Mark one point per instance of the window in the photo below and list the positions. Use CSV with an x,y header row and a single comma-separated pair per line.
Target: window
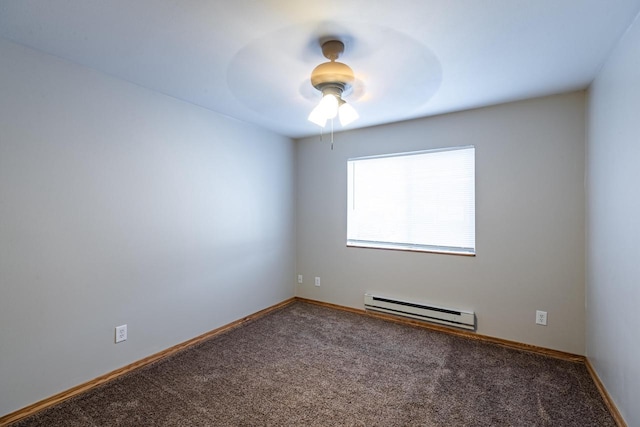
x,y
422,201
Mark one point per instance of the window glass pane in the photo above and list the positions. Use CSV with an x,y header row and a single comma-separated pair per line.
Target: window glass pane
x,y
418,201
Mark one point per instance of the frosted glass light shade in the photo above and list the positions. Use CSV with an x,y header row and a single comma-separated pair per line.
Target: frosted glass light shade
x,y
329,106
317,117
326,109
347,114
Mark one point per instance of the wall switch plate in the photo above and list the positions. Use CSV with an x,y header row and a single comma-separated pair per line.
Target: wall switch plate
x,y
121,333
300,278
541,317
317,283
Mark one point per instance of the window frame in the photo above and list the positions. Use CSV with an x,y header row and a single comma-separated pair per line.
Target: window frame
x,y
412,247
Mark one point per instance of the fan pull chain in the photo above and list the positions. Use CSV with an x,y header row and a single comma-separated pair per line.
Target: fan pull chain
x,y
331,134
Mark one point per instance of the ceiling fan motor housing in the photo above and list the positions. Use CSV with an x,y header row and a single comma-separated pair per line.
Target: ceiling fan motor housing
x,y
332,73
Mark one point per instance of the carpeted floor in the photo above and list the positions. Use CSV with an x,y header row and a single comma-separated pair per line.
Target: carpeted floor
x,y
307,365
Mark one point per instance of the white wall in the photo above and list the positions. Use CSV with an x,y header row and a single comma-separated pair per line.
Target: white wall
x,y
613,225
529,221
121,205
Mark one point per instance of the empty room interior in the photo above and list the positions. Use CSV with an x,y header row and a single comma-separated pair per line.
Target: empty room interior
x,y
164,174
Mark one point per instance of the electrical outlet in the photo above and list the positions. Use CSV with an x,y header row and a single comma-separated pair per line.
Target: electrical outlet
x,y
300,278
541,317
317,283
121,333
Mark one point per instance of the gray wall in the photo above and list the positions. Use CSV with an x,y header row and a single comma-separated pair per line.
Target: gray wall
x,y
121,205
613,226
529,221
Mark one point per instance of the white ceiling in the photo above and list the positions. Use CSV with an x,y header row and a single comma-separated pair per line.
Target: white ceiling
x,y
251,59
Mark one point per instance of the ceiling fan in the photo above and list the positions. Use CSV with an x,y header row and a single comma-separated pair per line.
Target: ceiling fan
x,y
333,79
358,65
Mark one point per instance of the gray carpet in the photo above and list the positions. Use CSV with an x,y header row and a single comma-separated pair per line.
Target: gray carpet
x,y
307,365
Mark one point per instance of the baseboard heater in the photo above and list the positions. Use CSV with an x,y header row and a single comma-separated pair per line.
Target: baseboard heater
x,y
429,313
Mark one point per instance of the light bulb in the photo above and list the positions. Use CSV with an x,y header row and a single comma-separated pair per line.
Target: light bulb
x,y
347,114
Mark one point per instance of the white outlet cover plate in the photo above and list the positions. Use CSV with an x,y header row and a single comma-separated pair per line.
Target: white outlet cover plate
x,y
121,333
541,317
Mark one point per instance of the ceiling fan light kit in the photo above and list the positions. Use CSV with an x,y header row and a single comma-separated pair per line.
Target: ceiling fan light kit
x,y
333,79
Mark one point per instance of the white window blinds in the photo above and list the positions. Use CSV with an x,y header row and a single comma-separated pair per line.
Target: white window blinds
x,y
422,201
